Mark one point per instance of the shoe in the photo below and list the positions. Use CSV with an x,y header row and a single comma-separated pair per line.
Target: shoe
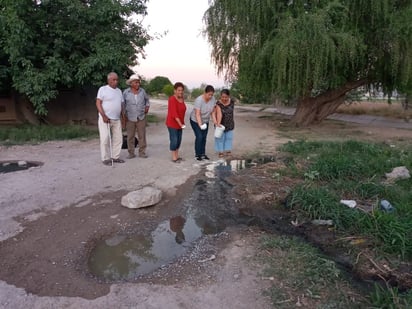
x,y
107,162
205,157
142,155
177,160
118,161
199,158
221,154
131,156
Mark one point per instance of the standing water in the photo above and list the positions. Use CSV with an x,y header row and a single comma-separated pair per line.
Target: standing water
x,y
208,211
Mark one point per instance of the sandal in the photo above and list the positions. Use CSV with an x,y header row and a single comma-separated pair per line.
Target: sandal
x,y
221,154
177,160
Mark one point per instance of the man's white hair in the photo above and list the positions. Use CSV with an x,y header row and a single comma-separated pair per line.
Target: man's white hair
x,y
111,74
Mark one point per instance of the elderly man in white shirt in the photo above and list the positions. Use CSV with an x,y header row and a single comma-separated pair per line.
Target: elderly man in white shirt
x,y
109,104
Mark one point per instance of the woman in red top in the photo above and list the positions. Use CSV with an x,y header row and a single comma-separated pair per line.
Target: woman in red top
x,y
175,120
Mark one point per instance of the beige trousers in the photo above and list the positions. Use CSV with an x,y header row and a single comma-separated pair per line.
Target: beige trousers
x,y
115,128
132,127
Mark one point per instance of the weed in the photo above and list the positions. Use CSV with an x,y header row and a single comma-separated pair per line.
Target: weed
x,y
35,134
311,175
390,298
151,118
338,170
305,274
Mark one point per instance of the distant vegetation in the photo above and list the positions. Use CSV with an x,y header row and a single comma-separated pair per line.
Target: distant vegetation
x,y
35,134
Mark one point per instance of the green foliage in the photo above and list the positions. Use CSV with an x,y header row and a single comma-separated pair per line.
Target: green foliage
x,y
305,272
47,45
152,118
168,90
156,84
295,49
197,92
35,134
355,170
390,298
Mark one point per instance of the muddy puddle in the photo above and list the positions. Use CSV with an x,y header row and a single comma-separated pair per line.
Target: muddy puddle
x,y
208,210
15,166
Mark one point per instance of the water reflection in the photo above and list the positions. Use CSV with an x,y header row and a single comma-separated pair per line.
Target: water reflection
x,y
225,167
125,257
176,225
208,211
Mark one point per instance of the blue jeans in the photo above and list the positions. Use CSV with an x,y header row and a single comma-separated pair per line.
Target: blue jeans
x,y
225,142
200,138
175,137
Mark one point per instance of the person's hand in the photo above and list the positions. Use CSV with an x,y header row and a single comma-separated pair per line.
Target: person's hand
x,y
203,126
106,119
183,126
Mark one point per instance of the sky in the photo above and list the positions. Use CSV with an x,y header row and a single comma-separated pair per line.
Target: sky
x,y
183,54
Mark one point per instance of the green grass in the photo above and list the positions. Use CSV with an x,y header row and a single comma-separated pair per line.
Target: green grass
x,y
390,298
151,118
41,133
34,134
305,273
355,170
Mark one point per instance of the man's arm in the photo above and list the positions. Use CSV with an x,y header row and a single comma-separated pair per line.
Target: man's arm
x,y
147,103
101,111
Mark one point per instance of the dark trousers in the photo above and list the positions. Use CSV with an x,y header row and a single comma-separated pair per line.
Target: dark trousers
x,y
200,138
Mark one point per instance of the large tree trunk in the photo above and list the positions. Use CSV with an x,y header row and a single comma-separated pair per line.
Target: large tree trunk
x,y
312,110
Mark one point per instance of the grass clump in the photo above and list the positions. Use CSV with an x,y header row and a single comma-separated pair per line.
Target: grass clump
x,y
308,278
390,298
355,170
41,133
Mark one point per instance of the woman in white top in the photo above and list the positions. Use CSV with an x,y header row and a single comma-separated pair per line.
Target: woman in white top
x,y
199,120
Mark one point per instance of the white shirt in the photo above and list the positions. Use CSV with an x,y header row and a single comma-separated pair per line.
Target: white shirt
x,y
112,100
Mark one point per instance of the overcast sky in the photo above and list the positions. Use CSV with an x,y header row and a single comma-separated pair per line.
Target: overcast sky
x,y
182,54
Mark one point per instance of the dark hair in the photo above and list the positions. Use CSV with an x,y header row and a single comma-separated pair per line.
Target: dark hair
x,y
209,88
177,85
225,91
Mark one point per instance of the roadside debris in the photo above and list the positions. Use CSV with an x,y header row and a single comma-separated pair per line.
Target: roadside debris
x,y
349,203
322,222
386,206
400,172
211,258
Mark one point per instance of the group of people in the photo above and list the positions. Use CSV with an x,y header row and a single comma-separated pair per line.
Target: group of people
x,y
128,110
118,110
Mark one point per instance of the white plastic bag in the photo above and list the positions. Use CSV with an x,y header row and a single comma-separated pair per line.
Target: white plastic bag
x,y
219,131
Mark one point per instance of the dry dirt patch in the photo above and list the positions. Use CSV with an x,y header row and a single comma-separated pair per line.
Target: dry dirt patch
x,y
51,216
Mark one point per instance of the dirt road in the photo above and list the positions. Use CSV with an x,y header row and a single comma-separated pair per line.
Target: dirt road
x,y
50,215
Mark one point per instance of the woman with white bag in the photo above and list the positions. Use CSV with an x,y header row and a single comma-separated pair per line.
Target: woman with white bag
x,y
224,124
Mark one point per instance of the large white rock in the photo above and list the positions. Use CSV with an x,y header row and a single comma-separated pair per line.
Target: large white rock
x,y
145,197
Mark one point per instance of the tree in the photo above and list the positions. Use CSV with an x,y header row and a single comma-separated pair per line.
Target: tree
x,y
311,52
168,90
198,91
156,84
48,45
